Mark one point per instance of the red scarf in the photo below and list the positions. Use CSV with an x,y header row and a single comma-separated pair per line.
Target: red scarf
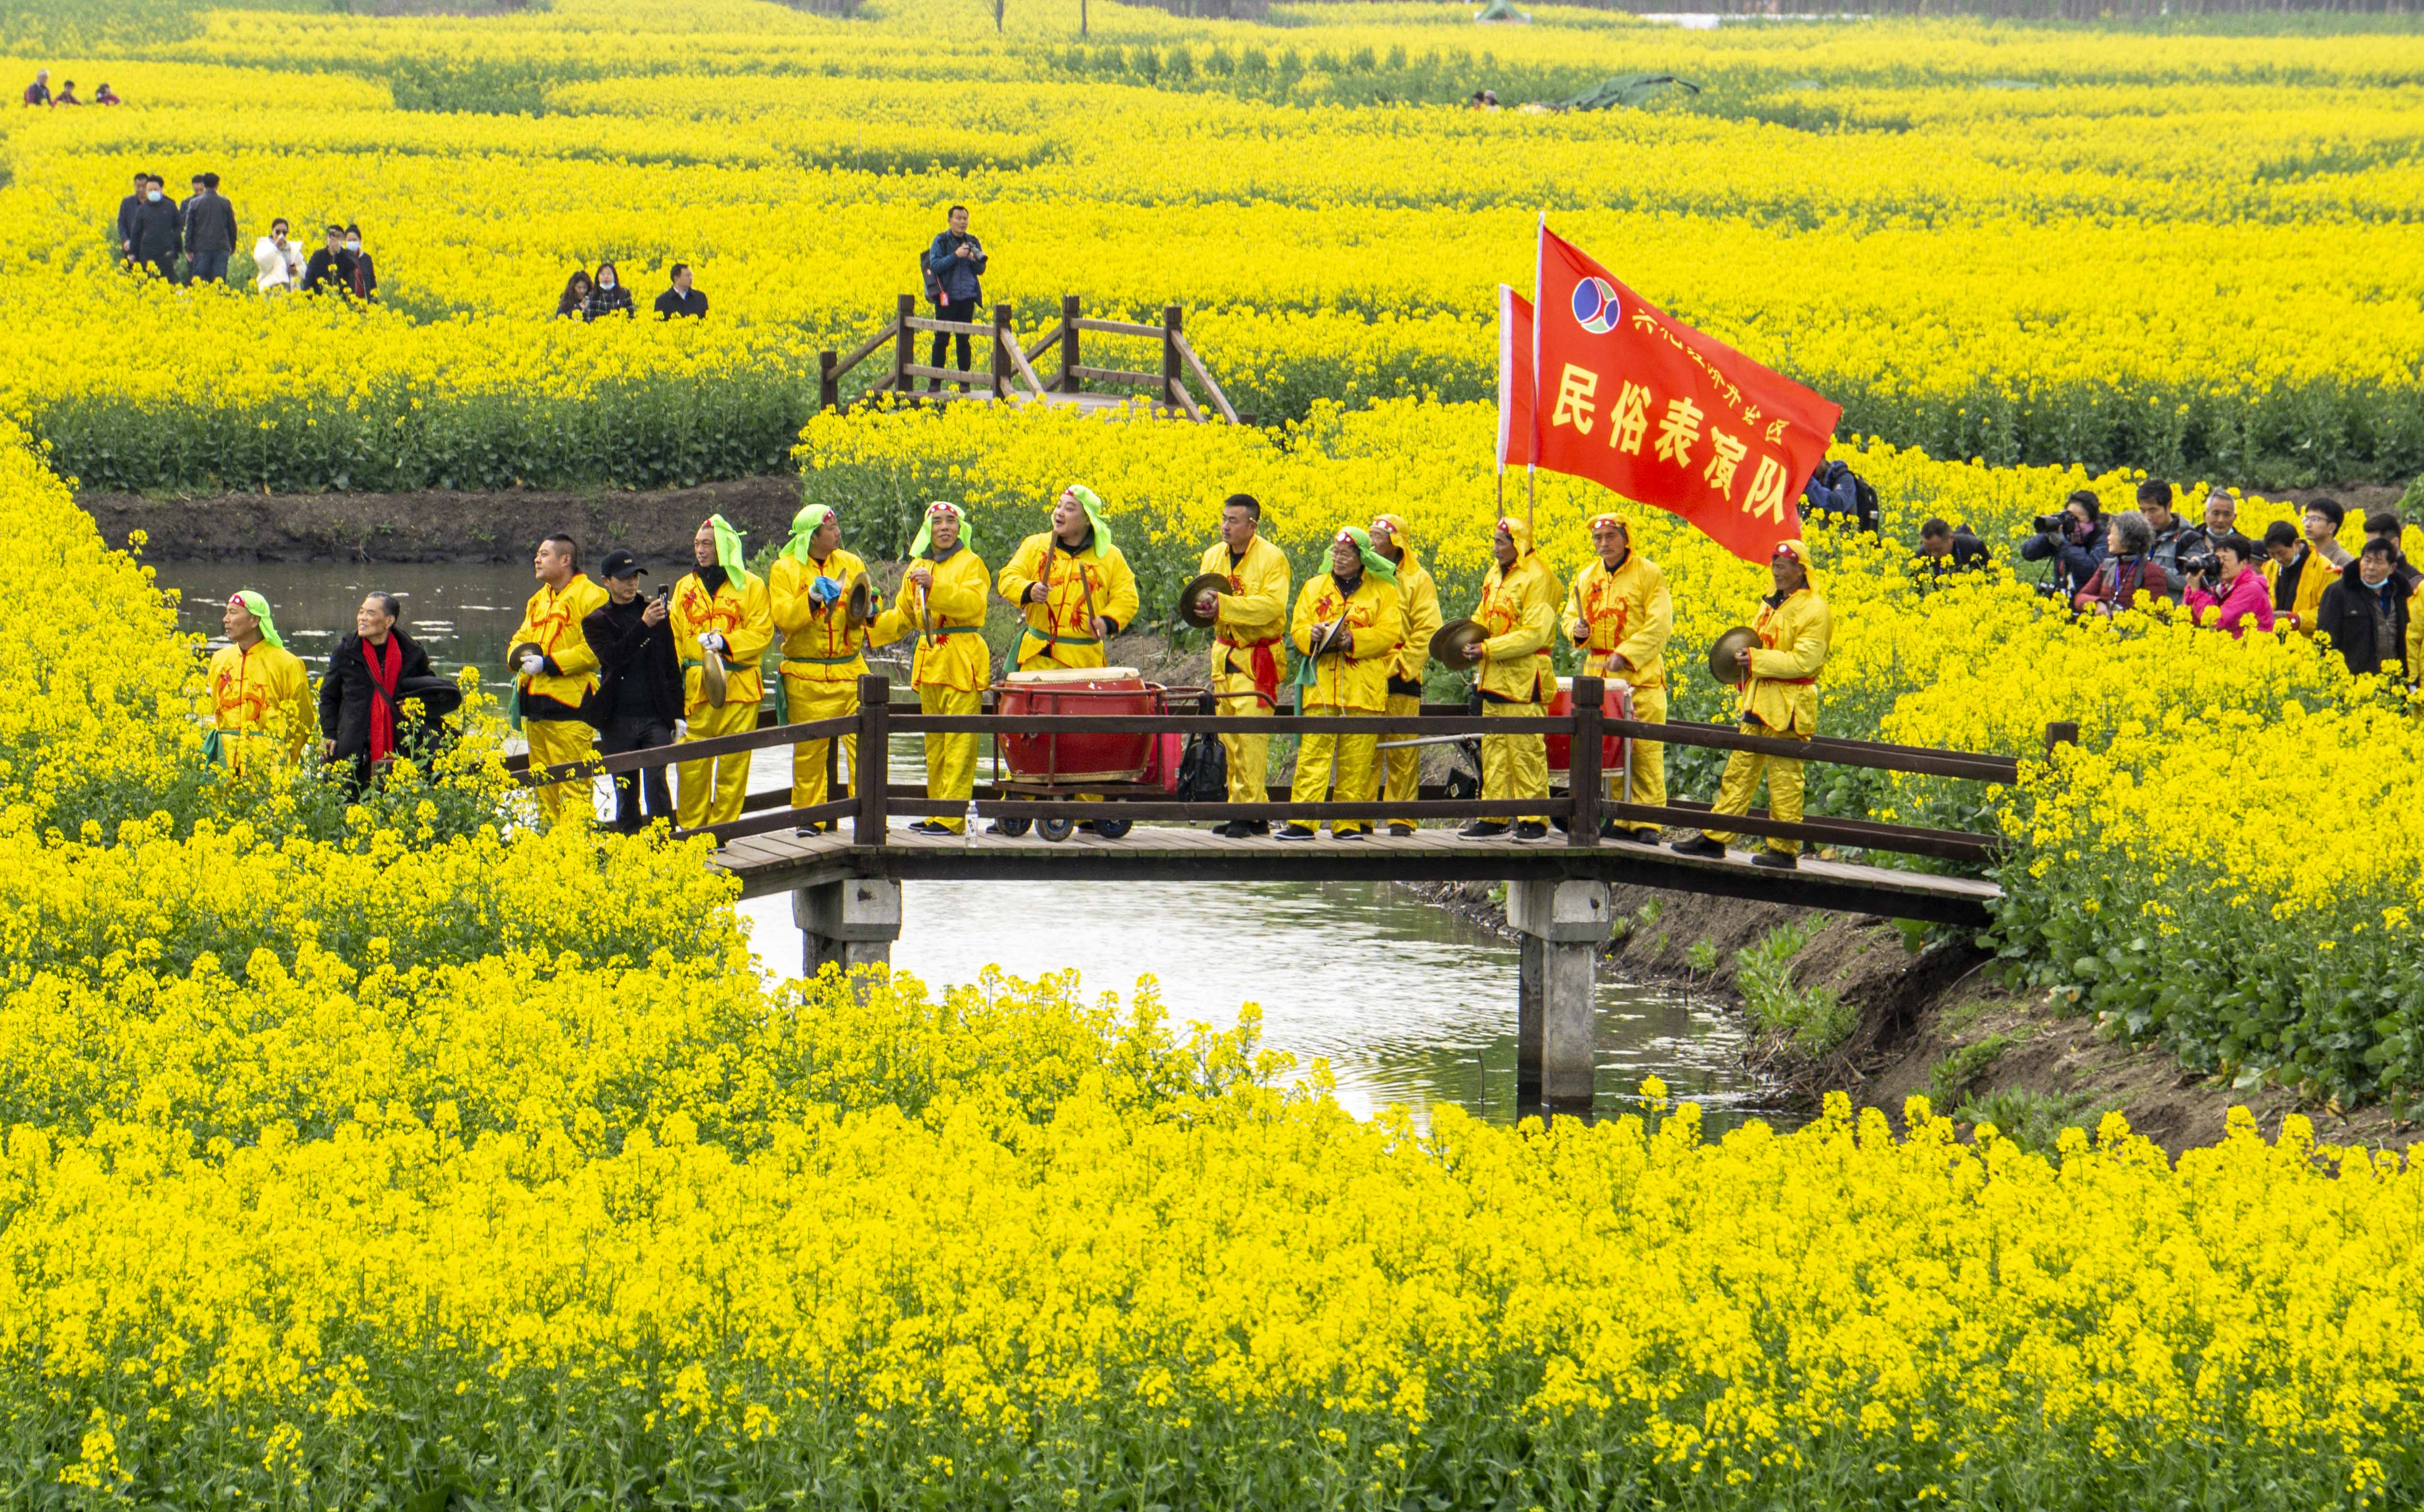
x,y
383,709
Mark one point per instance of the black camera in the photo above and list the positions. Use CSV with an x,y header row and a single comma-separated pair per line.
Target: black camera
x,y
2054,524
2203,564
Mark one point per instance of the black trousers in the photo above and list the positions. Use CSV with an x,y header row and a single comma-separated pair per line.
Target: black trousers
x,y
638,732
951,309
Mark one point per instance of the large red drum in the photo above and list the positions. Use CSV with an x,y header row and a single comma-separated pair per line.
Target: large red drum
x,y
1615,702
1067,758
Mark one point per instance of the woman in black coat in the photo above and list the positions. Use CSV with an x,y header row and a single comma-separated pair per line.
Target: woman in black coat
x,y
361,717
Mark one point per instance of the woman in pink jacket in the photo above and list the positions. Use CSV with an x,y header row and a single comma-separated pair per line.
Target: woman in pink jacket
x,y
2244,598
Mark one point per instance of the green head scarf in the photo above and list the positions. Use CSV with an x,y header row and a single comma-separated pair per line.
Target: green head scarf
x,y
1093,505
1374,563
803,524
728,554
258,608
926,531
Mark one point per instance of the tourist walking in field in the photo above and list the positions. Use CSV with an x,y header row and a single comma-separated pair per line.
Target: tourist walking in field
x,y
39,93
331,268
127,209
154,236
1511,669
1249,622
638,704
955,267
365,279
260,696
607,296
680,298
362,718
942,602
1072,586
67,95
211,236
555,672
1779,701
722,623
2238,597
1348,629
1620,615
101,95
574,301
809,591
1418,596
279,260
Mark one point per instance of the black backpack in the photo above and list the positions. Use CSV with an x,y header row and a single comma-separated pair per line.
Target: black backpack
x,y
1204,771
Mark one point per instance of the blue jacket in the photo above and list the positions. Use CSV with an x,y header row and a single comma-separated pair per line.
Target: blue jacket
x,y
955,277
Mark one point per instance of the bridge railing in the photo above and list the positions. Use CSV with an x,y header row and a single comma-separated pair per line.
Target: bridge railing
x,y
1010,371
876,800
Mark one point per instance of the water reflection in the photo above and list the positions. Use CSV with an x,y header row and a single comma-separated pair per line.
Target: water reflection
x,y
1409,1003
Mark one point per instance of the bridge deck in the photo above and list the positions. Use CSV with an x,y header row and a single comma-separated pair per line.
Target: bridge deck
x,y
768,864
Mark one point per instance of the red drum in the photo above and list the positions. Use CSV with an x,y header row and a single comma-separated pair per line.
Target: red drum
x,y
1615,703
1087,690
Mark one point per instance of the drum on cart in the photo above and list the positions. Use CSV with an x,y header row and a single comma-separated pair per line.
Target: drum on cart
x,y
1615,703
1070,766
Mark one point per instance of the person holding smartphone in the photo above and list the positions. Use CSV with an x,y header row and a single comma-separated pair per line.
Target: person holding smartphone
x,y
638,701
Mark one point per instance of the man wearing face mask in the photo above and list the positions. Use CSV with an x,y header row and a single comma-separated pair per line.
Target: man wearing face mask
x,y
157,235
331,268
2373,620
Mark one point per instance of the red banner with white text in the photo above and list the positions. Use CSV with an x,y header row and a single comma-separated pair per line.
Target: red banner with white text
x,y
1628,396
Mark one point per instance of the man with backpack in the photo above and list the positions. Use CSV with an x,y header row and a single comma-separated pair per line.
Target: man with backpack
x,y
954,268
1835,493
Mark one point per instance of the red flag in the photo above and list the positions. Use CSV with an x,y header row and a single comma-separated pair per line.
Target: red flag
x,y
1517,438
1628,396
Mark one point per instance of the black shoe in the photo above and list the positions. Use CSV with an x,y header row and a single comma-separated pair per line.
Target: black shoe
x,y
1227,829
1482,829
1698,845
930,826
1252,826
1530,829
1399,828
1350,835
1646,834
1780,860
1296,832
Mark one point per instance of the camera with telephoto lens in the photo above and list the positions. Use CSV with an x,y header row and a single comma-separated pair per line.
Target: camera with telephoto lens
x,y
2201,563
2053,524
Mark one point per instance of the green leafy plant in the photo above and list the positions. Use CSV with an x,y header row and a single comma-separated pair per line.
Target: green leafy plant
x,y
1816,1018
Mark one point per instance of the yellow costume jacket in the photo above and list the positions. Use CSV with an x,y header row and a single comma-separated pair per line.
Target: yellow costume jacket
x,y
1418,595
551,621
263,692
1056,631
2316,576
1253,614
954,656
738,612
1357,676
1627,613
1782,690
819,645
1519,609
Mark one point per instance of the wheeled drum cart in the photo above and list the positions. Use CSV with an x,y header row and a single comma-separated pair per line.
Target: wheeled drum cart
x,y
1075,767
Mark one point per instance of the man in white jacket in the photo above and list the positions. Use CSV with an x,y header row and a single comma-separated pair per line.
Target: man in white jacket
x,y
279,259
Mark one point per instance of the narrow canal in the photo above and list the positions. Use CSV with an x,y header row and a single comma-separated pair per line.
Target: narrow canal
x,y
1407,1001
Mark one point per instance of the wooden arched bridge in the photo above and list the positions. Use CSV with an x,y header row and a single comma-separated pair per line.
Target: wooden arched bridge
x,y
846,880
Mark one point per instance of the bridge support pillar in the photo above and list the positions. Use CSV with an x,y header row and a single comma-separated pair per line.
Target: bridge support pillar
x,y
851,923
1559,928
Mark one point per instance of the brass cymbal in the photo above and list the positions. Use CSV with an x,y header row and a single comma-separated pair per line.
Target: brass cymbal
x,y
711,676
521,649
1723,651
861,607
1449,641
1209,582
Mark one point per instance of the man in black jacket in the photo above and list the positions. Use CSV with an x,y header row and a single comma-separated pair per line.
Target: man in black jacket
x,y
639,687
210,232
362,713
127,209
157,235
332,267
2369,614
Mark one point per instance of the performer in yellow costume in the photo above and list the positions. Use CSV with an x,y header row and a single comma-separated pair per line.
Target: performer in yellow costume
x,y
259,696
942,602
1779,699
1348,627
1072,584
1620,615
556,674
1250,624
809,591
719,606
1418,595
1519,609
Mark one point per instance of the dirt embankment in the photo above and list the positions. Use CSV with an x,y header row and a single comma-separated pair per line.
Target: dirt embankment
x,y
1935,1022
437,526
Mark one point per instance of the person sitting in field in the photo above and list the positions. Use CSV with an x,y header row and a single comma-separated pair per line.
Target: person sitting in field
x,y
101,96
607,296
2130,577
575,298
2238,597
2375,624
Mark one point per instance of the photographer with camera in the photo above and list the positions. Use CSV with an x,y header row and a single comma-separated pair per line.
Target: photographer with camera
x,y
2130,577
2073,541
2225,590
639,695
